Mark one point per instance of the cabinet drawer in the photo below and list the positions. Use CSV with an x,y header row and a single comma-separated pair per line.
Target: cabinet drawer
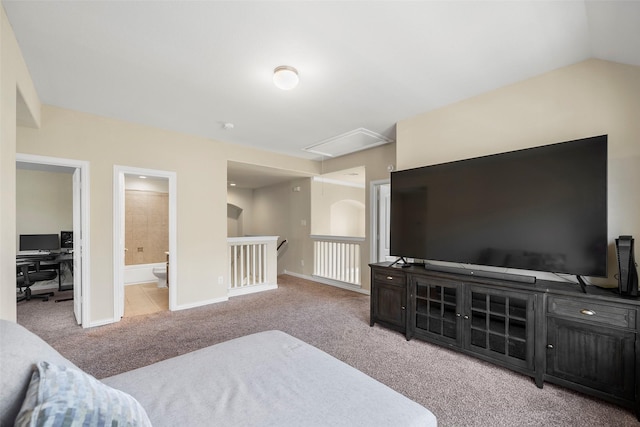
x,y
592,312
389,277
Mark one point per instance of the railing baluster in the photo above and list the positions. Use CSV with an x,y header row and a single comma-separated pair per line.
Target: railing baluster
x,y
350,263
235,266
240,265
252,263
262,265
230,265
267,268
337,258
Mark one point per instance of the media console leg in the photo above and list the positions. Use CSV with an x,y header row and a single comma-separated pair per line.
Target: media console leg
x,y
539,382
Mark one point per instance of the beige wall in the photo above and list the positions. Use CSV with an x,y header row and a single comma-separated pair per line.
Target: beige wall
x,y
280,211
200,165
376,162
250,156
159,185
241,200
201,187
586,99
44,202
16,88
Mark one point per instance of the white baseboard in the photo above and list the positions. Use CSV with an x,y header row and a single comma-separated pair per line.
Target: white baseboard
x,y
200,304
102,322
252,289
329,282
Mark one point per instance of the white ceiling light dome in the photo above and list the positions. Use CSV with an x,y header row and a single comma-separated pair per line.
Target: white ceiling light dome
x,y
285,77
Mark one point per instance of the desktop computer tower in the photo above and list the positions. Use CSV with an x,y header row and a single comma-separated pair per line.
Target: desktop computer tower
x,y
66,239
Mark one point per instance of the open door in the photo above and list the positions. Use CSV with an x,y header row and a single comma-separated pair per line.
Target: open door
x,y
380,211
81,233
77,247
384,210
119,173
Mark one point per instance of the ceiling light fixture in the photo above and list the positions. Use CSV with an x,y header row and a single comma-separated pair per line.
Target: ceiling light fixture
x,y
285,77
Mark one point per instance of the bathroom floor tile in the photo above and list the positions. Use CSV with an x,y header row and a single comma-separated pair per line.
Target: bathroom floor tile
x,y
145,298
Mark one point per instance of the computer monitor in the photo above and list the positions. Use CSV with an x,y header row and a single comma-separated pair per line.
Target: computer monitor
x,y
39,242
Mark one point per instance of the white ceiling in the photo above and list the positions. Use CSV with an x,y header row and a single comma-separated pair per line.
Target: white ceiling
x,y
193,66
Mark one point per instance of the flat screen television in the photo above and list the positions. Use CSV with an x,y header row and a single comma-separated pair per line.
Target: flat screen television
x,y
541,209
41,242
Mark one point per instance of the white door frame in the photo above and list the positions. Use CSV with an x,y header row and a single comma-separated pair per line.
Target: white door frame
x,y
375,230
84,250
77,243
119,230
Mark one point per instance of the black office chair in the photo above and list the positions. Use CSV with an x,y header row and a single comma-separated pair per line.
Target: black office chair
x,y
25,279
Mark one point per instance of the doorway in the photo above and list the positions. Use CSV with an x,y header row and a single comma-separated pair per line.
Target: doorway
x,y
80,189
122,253
146,241
380,218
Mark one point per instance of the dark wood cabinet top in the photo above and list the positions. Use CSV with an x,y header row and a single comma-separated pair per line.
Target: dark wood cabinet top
x,y
541,286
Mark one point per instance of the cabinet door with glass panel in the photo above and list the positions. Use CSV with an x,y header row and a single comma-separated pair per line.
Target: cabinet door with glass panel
x,y
435,311
500,324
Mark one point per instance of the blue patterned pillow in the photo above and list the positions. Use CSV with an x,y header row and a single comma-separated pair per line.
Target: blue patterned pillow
x,y
61,396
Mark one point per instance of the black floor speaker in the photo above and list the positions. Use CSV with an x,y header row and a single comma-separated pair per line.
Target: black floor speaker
x,y
628,274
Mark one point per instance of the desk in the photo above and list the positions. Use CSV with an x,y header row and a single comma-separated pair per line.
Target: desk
x,y
51,261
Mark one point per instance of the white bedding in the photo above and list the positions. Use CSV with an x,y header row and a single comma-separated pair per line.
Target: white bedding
x,y
265,379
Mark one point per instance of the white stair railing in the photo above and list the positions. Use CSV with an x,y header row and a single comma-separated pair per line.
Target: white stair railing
x,y
253,264
337,258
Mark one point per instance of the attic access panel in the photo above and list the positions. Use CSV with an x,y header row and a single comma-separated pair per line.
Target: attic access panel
x,y
349,142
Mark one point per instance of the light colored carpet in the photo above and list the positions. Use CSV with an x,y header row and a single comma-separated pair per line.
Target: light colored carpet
x,y
459,390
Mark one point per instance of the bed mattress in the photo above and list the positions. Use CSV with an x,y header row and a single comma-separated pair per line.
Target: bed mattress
x,y
266,379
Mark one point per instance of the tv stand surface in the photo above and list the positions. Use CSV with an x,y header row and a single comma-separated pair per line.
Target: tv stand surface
x,y
481,273
548,330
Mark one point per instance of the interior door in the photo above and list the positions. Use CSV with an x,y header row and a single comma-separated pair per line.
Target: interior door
x,y
384,209
77,247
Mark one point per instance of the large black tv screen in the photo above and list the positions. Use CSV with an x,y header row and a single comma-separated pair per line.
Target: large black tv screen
x,y
542,209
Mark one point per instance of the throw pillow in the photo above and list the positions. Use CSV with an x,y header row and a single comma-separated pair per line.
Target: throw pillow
x,y
62,396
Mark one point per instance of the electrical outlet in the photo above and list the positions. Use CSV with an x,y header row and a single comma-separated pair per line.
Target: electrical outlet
x,y
303,222
302,262
220,280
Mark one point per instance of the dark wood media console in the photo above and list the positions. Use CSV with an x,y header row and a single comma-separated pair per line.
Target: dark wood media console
x,y
550,331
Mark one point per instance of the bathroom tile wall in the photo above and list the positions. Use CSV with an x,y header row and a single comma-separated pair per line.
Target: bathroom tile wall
x,y
146,227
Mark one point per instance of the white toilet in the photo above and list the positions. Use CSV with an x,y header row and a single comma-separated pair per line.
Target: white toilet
x,y
161,274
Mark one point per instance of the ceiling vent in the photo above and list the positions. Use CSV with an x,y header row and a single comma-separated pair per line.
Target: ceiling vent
x,y
346,143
